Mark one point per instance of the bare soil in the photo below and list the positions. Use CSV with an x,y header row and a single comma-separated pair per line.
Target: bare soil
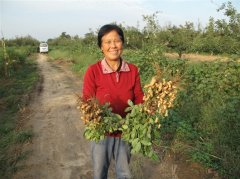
x,y
197,57
58,148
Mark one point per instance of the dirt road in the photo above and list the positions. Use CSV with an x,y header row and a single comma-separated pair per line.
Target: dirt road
x,y
58,149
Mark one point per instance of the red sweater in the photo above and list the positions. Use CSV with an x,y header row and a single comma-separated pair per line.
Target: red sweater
x,y
114,87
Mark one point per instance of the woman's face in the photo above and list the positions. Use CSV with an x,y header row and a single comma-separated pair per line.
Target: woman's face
x,y
112,46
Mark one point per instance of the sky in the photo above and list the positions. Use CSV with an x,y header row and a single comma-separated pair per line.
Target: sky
x,y
45,19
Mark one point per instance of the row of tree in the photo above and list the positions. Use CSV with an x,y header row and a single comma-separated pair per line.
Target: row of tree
x,y
220,36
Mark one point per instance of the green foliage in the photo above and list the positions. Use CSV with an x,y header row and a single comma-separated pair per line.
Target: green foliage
x,y
90,39
181,38
12,92
134,38
22,41
139,129
63,40
205,121
79,54
8,157
234,20
13,60
64,35
209,114
110,122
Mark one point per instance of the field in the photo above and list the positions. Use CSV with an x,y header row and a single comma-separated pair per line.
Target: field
x,y
15,93
206,107
203,126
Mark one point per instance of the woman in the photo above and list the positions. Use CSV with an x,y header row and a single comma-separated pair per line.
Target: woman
x,y
115,81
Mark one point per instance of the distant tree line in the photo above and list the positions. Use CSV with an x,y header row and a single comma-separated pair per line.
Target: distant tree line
x,y
221,36
22,41
218,37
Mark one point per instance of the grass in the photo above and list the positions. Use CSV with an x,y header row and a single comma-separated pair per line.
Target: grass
x,y
13,91
80,61
59,54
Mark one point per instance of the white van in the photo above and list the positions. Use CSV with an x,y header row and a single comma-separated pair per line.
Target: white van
x,y
43,47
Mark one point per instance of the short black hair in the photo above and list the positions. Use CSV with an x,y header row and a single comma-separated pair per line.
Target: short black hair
x,y
108,28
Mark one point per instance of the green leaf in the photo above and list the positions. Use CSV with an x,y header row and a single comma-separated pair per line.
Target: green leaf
x,y
135,141
133,134
128,109
124,126
154,156
133,113
118,116
130,103
145,142
138,147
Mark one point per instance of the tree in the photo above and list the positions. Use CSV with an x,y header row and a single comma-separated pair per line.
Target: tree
x,y
133,37
234,19
89,38
230,31
64,35
181,38
151,28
